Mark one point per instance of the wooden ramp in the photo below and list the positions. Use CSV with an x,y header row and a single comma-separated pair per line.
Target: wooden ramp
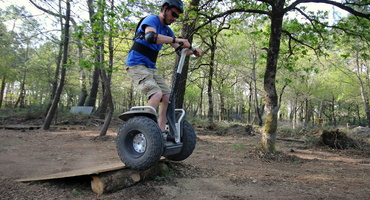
x,y
34,127
106,178
94,170
20,127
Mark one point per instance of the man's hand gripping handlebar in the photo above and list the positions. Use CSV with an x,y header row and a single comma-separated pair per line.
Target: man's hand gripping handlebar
x,y
194,51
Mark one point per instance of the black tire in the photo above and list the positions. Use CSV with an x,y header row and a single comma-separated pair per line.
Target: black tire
x,y
140,143
188,139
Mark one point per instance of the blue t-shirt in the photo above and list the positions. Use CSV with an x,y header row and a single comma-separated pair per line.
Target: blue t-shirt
x,y
136,58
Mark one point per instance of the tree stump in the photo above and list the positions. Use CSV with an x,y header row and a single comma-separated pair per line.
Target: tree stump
x,y
249,130
108,182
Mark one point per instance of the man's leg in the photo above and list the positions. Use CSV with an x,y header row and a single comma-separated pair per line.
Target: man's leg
x,y
162,112
154,100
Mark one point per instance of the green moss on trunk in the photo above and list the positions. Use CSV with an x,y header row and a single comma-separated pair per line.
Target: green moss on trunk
x,y
269,134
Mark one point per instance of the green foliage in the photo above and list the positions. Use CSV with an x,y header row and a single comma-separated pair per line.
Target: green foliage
x,y
316,64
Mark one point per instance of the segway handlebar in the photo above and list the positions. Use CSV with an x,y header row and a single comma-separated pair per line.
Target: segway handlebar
x,y
190,48
183,55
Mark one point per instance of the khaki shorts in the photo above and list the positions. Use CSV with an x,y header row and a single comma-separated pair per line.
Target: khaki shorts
x,y
147,80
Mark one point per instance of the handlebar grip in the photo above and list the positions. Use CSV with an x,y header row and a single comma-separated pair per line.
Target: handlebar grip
x,y
194,50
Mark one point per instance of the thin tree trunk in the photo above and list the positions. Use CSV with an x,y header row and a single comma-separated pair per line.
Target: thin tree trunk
x,y
271,98
54,83
257,112
187,32
107,77
20,99
307,113
95,79
250,99
223,114
332,108
54,105
22,93
199,105
83,83
100,112
365,99
294,112
209,90
2,89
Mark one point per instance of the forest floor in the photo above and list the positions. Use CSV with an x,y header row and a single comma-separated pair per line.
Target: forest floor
x,y
226,164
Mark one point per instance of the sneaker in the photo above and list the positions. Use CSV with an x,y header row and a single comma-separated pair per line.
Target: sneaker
x,y
168,137
165,134
171,138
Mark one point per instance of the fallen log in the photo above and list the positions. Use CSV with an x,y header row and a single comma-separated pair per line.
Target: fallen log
x,y
108,182
291,140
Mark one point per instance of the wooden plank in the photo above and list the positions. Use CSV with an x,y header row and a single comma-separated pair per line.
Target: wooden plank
x,y
20,127
292,140
70,127
34,127
97,169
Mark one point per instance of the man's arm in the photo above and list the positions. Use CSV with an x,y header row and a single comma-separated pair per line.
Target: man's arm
x,y
151,36
163,39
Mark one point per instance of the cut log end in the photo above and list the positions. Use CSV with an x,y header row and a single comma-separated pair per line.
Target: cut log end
x,y
97,185
135,177
112,181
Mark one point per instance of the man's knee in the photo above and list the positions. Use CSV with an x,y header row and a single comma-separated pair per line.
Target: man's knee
x,y
156,96
165,97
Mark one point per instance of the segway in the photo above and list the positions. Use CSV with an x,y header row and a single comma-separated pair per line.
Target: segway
x,y
140,141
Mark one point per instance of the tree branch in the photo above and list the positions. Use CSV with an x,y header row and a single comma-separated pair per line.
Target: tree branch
x,y
52,13
311,21
298,41
227,13
347,31
334,3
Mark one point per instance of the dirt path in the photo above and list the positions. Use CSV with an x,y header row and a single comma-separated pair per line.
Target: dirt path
x,y
221,167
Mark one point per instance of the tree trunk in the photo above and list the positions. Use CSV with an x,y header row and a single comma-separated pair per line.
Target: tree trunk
x,y
187,32
307,113
199,104
54,105
54,83
84,93
20,99
91,100
257,113
101,111
294,112
271,98
250,99
95,81
107,77
365,99
2,89
209,90
222,108
83,84
332,108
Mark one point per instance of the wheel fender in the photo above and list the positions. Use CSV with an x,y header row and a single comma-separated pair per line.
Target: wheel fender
x,y
129,114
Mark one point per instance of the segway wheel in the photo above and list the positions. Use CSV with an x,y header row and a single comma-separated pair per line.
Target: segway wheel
x,y
140,143
188,140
